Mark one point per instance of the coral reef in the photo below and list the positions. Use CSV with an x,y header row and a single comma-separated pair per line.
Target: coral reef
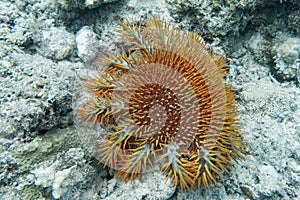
x,y
37,93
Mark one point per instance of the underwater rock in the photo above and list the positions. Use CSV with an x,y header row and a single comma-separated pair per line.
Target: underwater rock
x,y
18,161
85,4
213,18
268,174
153,187
87,43
66,172
56,43
33,101
287,62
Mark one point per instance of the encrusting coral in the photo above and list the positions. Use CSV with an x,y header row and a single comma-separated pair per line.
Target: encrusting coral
x,y
168,105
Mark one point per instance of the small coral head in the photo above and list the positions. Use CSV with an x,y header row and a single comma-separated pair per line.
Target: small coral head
x,y
167,103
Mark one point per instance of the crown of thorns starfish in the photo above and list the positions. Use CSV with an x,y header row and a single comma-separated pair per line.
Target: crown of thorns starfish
x,y
167,102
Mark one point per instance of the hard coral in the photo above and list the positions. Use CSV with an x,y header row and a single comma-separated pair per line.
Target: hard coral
x,y
168,104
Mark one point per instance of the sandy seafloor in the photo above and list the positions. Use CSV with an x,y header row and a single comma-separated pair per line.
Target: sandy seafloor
x,y
46,47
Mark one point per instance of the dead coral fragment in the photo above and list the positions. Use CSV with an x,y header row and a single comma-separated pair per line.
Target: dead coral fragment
x,y
168,104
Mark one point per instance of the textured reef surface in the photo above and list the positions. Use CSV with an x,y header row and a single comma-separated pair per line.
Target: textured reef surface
x,y
47,52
